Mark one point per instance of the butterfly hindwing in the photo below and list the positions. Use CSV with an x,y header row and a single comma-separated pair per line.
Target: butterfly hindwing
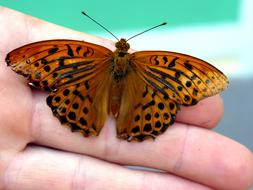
x,y
148,115
82,108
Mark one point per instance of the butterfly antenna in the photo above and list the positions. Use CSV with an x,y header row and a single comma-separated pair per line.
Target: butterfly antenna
x,y
147,30
100,25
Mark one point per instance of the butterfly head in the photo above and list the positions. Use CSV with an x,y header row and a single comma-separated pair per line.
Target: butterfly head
x,y
122,45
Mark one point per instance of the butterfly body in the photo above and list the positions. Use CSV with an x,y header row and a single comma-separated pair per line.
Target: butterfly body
x,y
87,82
120,67
121,60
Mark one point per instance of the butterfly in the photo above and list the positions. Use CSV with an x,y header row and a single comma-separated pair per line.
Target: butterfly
x,y
87,82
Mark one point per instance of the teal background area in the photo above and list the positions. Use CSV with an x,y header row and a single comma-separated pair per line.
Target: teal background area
x,y
128,15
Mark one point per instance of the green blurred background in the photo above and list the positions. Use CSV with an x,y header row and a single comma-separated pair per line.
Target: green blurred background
x,y
219,31
128,15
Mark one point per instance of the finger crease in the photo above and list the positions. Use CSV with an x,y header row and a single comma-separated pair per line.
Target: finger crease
x,y
111,148
179,162
145,182
79,177
35,124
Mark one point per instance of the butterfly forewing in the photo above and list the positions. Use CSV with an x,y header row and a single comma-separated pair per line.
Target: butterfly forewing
x,y
55,61
182,78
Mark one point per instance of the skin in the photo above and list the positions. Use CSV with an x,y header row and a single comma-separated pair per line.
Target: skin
x,y
36,152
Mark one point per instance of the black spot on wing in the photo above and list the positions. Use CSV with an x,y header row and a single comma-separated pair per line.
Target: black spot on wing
x,y
87,85
78,49
88,52
145,92
53,50
173,62
70,51
47,68
156,60
165,59
188,65
151,103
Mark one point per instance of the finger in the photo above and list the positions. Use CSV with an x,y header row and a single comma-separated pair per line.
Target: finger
x,y
41,168
207,113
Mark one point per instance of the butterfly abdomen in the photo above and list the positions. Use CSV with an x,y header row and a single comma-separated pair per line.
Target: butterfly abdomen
x,y
115,97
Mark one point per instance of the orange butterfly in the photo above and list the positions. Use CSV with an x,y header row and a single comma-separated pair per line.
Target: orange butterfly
x,y
88,82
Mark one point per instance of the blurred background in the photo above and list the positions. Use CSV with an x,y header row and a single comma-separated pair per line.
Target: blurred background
x,y
219,31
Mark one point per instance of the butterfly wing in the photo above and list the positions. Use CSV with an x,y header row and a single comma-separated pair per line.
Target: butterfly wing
x,y
74,72
162,81
144,112
184,78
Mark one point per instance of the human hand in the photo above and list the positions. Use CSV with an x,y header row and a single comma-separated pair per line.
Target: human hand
x,y
36,152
